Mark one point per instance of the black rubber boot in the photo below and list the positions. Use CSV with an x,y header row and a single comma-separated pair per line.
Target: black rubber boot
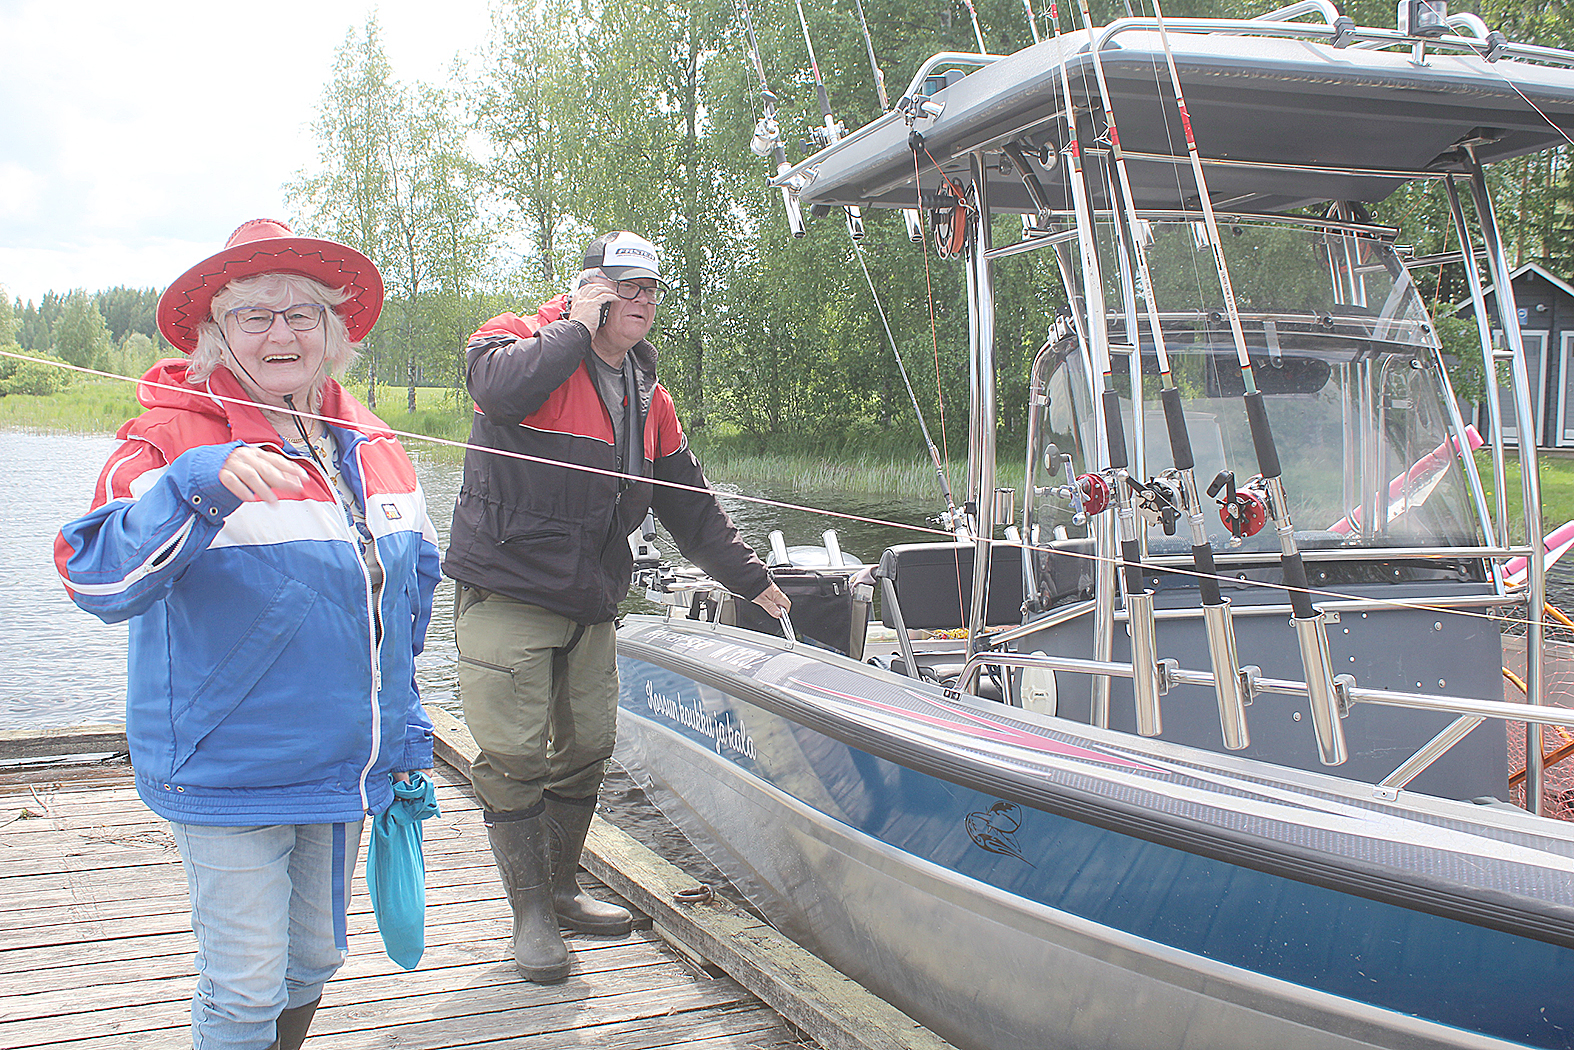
x,y
520,848
568,820
293,1023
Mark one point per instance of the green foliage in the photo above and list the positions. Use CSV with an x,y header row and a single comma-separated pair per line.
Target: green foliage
x,y
136,353
1462,354
396,182
35,377
80,337
9,322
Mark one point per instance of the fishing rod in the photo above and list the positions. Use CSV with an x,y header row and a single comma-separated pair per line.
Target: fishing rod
x,y
1264,494
910,216
767,140
978,34
831,130
874,65
952,514
1095,492
1165,498
1032,19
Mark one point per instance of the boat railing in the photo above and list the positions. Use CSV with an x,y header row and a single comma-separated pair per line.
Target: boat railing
x,y
1468,712
794,177
698,599
1342,32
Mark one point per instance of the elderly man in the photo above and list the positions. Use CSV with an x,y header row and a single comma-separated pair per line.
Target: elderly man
x,y
540,553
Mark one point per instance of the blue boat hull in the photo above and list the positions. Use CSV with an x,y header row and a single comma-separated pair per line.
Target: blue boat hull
x,y
947,888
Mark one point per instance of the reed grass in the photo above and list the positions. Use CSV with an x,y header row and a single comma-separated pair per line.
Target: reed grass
x,y
88,405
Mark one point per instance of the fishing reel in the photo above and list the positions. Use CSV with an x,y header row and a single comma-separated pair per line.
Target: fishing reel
x,y
1088,494
816,139
767,138
1243,510
1161,501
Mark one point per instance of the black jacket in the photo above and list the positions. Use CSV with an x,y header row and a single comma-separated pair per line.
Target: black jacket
x,y
554,536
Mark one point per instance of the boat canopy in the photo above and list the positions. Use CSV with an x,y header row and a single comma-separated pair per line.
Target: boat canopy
x,y
1281,123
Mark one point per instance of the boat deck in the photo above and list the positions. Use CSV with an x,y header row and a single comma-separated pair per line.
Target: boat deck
x,y
97,951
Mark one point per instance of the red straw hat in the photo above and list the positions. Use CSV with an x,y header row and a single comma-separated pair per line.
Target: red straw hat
x,y
267,246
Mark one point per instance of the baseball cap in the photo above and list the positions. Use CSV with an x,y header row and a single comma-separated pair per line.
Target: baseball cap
x,y
622,255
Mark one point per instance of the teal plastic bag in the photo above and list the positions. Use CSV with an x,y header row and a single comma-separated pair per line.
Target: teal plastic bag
x,y
396,870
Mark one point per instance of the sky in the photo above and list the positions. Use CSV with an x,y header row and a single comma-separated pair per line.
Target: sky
x,y
135,137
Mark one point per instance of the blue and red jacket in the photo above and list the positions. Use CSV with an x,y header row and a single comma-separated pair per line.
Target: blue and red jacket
x,y
532,527
263,686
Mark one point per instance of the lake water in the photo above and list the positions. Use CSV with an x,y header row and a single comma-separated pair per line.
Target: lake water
x,y
61,666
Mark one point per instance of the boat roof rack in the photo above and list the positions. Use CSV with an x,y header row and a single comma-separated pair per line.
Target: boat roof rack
x,y
1287,113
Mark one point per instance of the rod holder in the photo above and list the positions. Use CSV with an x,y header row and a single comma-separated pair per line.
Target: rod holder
x,y
1312,634
833,549
1220,625
1144,663
778,548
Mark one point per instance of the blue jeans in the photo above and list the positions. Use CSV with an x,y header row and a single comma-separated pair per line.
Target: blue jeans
x,y
268,909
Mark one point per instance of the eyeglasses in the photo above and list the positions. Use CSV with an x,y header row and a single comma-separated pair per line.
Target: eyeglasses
x,y
302,317
629,290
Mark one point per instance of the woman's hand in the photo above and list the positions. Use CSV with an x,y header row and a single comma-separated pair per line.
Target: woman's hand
x,y
258,474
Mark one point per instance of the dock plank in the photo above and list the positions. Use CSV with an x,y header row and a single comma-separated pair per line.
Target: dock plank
x,y
96,949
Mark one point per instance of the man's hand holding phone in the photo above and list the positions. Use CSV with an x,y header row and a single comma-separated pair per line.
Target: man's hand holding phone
x,y
591,301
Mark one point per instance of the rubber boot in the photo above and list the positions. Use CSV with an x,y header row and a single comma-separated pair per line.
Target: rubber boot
x,y
520,849
293,1023
568,820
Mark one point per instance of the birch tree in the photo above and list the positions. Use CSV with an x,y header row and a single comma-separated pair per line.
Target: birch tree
x,y
395,182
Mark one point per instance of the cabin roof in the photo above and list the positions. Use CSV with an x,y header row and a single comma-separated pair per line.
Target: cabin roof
x,y
1466,307
1356,123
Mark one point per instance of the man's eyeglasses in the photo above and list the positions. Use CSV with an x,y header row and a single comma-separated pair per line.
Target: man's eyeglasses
x,y
630,290
302,317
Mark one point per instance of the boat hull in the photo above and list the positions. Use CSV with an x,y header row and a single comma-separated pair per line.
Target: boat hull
x,y
1000,925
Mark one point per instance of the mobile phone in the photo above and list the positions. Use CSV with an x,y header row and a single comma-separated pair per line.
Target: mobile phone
x,y
603,319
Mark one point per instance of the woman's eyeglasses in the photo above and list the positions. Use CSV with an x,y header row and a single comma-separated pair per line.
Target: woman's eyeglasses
x,y
302,317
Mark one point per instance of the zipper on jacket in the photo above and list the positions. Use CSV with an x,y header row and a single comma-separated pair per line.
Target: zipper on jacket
x,y
373,619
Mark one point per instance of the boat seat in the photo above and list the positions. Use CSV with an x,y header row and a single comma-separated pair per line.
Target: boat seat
x,y
929,586
828,609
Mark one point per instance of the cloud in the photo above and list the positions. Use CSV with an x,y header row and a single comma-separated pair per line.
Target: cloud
x,y
136,137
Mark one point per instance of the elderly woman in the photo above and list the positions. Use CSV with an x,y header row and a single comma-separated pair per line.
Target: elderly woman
x,y
268,541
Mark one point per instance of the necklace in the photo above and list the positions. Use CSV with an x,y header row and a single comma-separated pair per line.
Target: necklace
x,y
290,427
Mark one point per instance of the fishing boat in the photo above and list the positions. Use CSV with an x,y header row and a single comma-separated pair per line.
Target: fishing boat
x,y
1220,761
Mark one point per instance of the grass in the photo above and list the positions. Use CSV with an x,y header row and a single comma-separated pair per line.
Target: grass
x,y
87,405
872,475
439,412
1557,488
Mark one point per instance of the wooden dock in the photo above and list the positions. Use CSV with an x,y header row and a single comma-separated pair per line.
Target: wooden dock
x,y
96,949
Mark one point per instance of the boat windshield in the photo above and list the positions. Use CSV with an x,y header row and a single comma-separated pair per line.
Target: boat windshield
x,y
1345,356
